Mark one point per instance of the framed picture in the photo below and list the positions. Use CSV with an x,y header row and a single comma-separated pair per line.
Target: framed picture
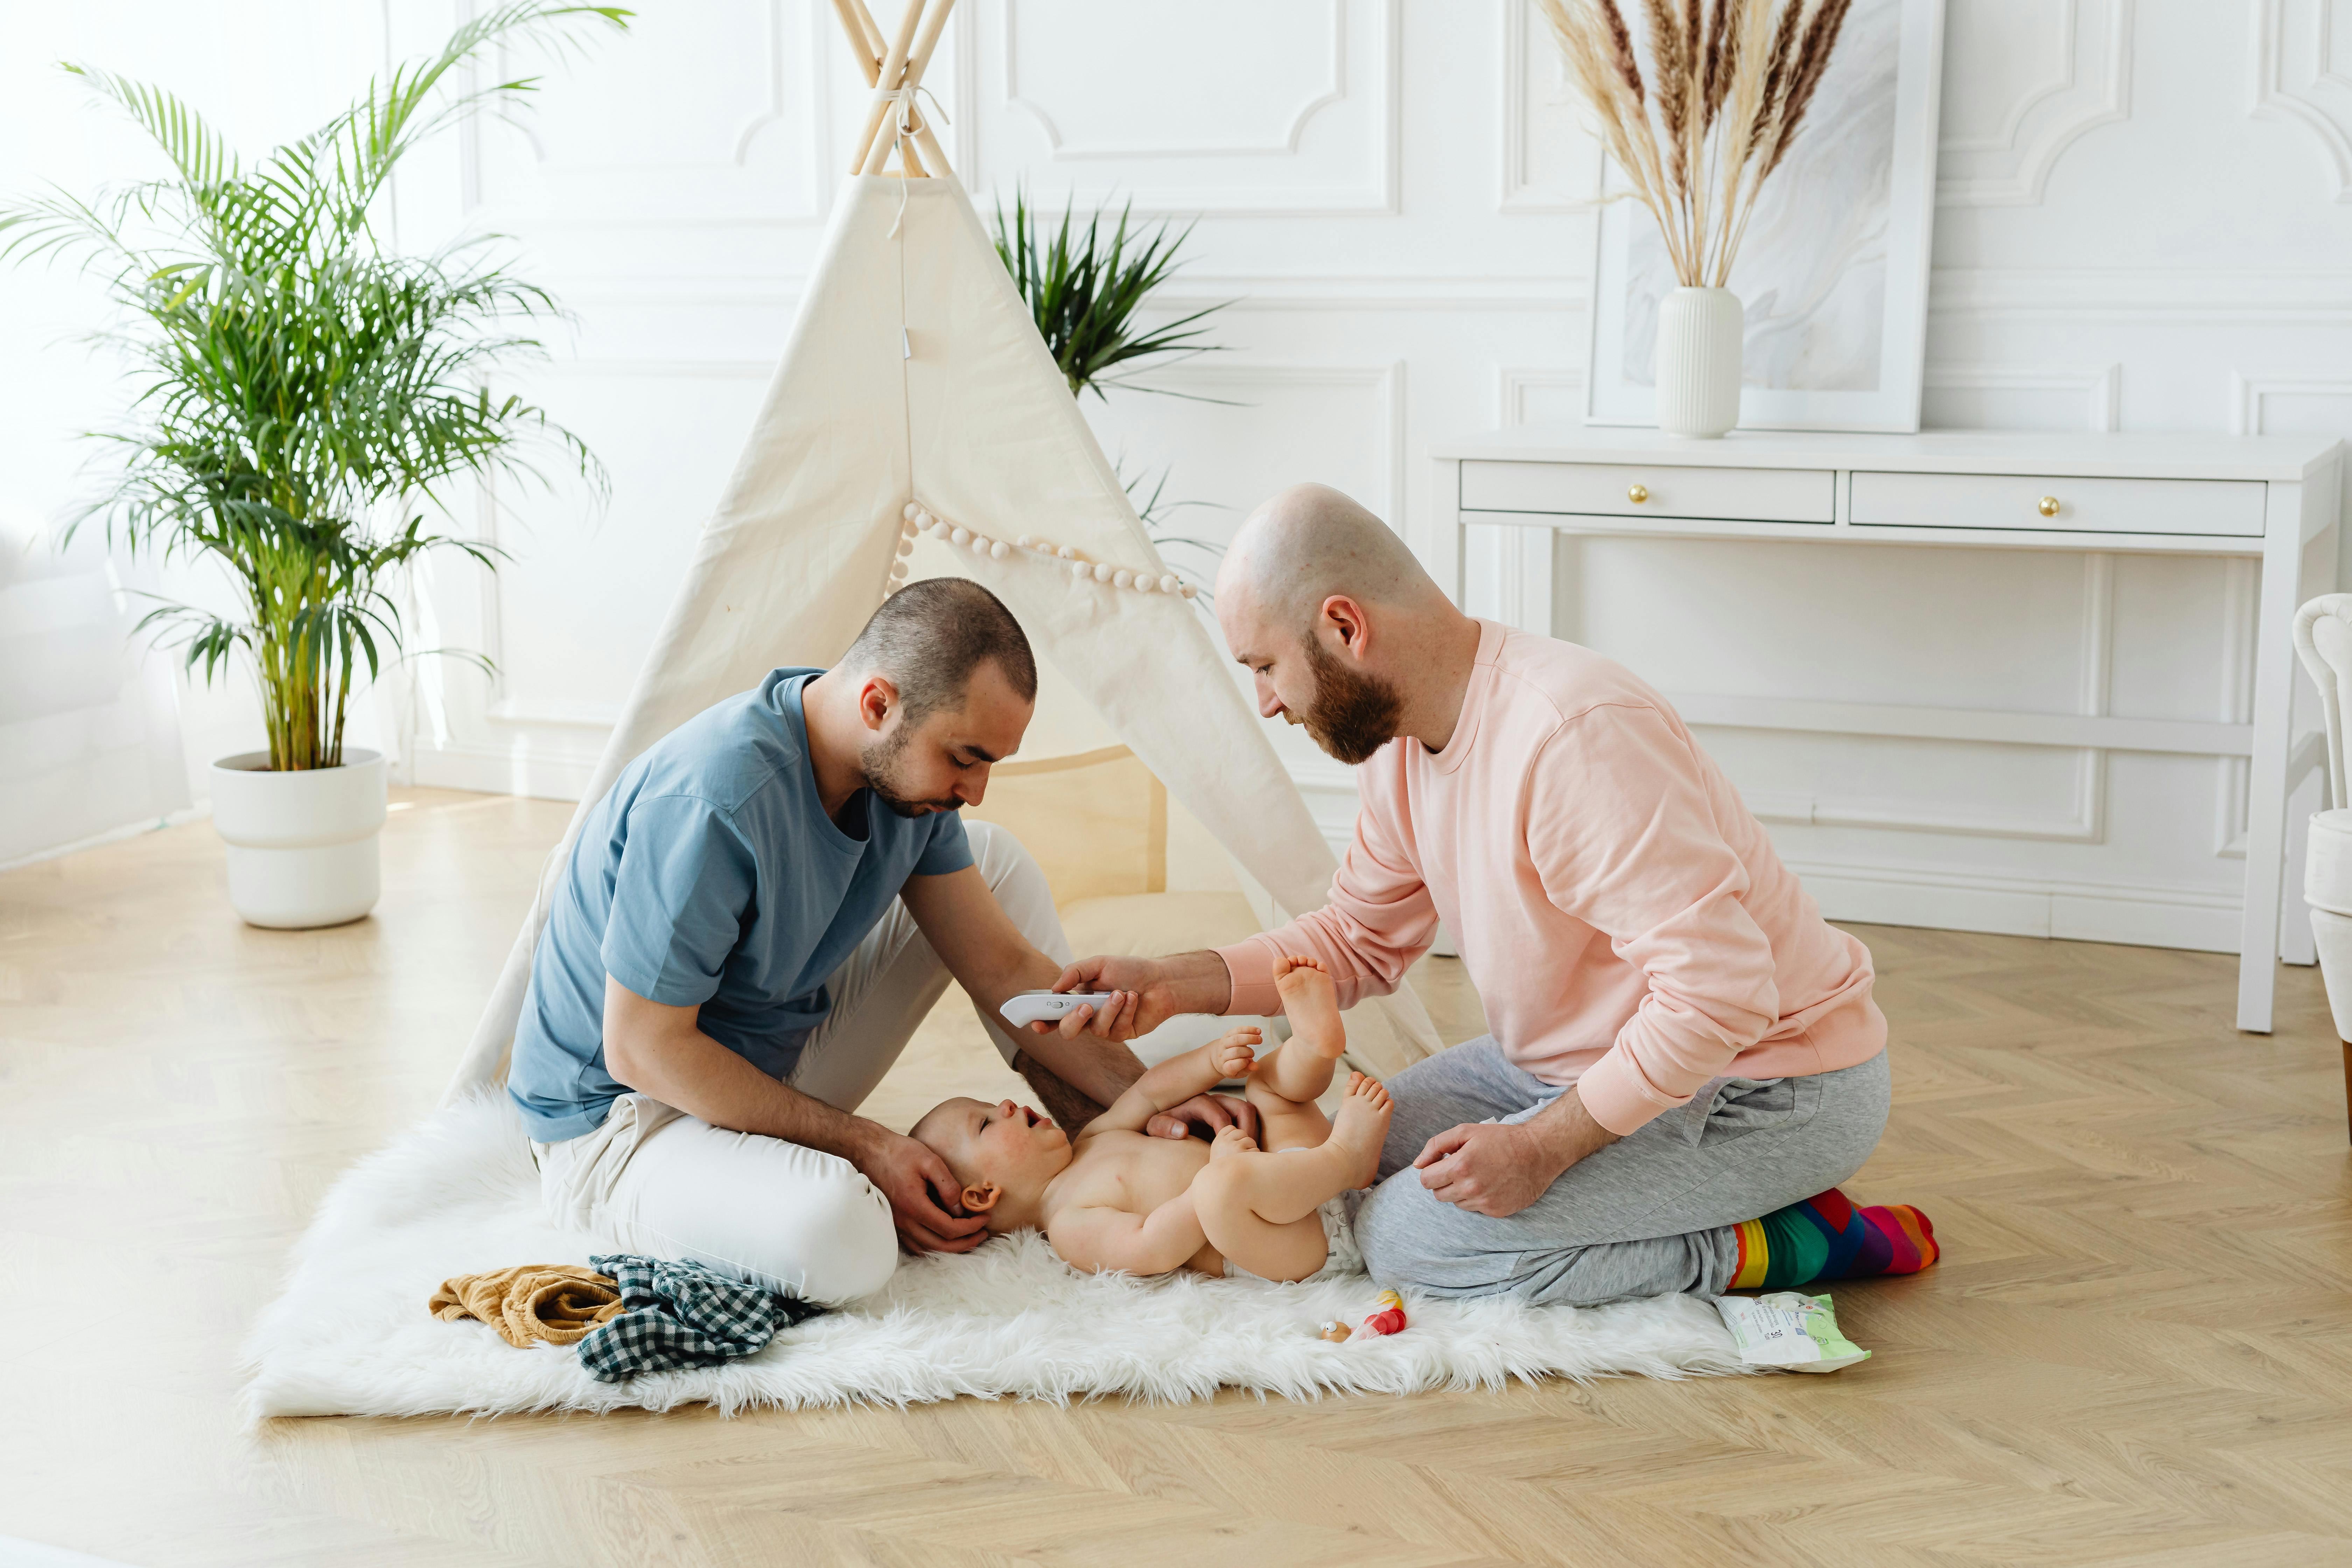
x,y
1833,273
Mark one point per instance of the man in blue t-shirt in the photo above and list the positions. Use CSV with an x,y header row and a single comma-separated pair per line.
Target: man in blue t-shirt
x,y
753,921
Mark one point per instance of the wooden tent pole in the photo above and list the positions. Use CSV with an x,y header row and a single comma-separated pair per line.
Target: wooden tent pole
x,y
914,65
863,33
886,77
865,44
932,154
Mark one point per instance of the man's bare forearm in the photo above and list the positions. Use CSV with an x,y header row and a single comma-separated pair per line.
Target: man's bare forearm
x,y
1197,983
1567,1130
1071,1109
702,1078
1098,1068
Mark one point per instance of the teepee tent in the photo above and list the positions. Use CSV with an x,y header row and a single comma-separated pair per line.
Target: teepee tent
x,y
916,398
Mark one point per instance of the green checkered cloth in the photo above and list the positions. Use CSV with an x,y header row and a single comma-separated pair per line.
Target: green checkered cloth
x,y
677,1315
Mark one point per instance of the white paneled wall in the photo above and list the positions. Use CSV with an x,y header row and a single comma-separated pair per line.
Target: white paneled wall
x,y
2145,222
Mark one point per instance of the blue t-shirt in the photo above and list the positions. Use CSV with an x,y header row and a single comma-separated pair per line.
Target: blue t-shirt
x,y
710,876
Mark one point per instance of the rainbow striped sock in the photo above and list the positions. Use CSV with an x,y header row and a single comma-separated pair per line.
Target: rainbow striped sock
x,y
1826,1237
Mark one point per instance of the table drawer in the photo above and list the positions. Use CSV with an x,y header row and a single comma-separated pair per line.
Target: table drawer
x,y
2059,505
1753,495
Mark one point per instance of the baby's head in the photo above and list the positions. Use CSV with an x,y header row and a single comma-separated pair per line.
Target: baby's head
x,y
1004,1155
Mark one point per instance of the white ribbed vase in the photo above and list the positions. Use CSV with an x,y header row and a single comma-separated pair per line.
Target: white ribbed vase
x,y
1700,335
301,846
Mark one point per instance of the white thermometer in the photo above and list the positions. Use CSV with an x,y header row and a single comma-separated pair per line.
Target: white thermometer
x,y
1029,1007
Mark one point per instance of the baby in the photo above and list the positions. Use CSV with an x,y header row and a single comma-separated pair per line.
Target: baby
x,y
1115,1198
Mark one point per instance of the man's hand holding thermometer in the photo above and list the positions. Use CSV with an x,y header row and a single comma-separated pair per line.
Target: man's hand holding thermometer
x,y
1113,1015
1042,1011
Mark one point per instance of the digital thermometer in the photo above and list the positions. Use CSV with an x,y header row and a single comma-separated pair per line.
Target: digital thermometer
x,y
1030,1008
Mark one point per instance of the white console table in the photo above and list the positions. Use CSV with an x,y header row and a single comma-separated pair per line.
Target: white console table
x,y
2268,498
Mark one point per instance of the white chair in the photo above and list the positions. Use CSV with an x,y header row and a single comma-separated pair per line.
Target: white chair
x,y
2323,637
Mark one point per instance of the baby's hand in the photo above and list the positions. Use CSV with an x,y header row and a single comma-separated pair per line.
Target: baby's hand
x,y
1235,1055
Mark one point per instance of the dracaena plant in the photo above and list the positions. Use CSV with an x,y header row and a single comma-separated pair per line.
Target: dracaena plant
x,y
1087,288
302,394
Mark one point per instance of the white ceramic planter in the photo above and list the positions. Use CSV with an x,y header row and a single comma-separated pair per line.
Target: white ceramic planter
x,y
1699,338
301,846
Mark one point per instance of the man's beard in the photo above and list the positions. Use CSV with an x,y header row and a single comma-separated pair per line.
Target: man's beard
x,y
1354,714
879,764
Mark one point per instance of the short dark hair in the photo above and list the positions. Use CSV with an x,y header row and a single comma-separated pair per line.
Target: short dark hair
x,y
929,637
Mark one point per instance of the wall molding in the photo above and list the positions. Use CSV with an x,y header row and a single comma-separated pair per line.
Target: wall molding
x,y
504,708
2102,389
2144,914
2061,78
778,104
1189,290
662,369
555,715
1994,726
1382,194
777,109
1515,193
2187,295
2143,294
1333,91
2013,168
1513,383
779,95
1372,291
2310,92
2247,393
2090,733
1387,379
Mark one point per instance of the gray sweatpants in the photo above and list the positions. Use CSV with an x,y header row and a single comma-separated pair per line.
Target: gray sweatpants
x,y
1651,1215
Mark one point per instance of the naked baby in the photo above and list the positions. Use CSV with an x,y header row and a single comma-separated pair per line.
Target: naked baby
x,y
1115,1198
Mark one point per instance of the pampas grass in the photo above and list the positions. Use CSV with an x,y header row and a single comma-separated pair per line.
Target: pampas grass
x,y
1728,85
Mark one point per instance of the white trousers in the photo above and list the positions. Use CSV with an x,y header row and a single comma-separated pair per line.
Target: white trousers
x,y
656,1181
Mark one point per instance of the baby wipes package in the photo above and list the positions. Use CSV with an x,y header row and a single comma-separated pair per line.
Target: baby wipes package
x,y
1789,1328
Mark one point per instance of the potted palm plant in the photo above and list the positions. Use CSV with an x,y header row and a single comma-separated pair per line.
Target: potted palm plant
x,y
303,394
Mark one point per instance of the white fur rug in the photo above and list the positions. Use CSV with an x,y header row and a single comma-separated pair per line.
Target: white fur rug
x,y
457,1195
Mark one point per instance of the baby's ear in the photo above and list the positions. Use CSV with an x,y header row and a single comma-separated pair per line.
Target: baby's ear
x,y
981,1196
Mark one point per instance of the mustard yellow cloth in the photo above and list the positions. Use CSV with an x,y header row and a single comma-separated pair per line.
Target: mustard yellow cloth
x,y
558,1302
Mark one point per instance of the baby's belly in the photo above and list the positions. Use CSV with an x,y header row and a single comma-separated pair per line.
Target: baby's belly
x,y
1159,1168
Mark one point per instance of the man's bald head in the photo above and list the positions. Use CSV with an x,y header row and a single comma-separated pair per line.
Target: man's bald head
x,y
1309,542
1336,620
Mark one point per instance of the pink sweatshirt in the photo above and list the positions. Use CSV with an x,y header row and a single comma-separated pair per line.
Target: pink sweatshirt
x,y
1623,915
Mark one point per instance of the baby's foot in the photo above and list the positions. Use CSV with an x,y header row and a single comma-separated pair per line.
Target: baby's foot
x,y
1231,1140
1312,1004
1362,1126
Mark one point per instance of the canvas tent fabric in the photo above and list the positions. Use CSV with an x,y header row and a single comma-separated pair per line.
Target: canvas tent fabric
x,y
914,374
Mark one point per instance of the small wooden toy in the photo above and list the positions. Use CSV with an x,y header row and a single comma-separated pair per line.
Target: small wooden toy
x,y
1389,1319
1334,1330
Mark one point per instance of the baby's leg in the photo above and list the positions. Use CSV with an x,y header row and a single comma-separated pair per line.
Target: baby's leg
x,y
1301,1069
1285,1123
1258,1208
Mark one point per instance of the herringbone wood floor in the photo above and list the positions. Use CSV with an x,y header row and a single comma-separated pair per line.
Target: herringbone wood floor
x,y
2139,1347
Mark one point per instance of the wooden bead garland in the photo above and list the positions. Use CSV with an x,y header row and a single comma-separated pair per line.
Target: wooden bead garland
x,y
919,519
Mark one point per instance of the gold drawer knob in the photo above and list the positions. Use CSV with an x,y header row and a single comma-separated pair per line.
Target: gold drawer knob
x,y
2048,506
1637,494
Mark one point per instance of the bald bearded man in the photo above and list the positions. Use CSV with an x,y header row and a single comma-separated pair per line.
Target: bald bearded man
x,y
1680,1042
